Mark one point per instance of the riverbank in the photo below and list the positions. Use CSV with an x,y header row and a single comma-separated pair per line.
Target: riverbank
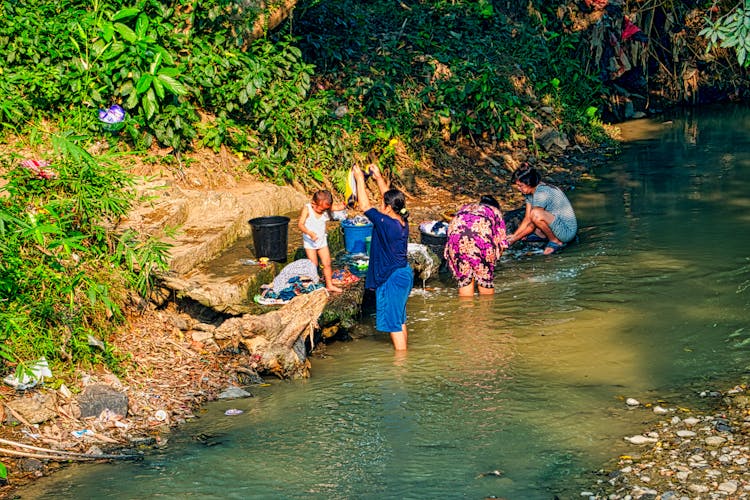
x,y
688,454
169,372
177,366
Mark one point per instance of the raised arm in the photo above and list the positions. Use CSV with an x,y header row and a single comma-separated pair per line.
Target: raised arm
x,y
362,198
378,176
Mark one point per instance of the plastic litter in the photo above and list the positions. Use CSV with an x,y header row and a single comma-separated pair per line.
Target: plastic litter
x,y
160,415
233,411
82,433
39,370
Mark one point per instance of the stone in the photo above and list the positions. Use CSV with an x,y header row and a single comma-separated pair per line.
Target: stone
x,y
715,440
29,465
640,439
99,397
36,409
234,392
728,487
686,434
199,336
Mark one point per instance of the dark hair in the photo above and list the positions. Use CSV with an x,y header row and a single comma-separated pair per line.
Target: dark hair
x,y
488,199
395,199
323,195
526,174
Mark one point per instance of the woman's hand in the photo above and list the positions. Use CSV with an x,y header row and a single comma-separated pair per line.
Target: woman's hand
x,y
375,171
358,174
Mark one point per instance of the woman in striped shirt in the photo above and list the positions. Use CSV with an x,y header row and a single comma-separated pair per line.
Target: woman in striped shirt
x,y
549,214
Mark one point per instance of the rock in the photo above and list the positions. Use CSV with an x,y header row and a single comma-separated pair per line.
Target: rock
x,y
29,465
550,139
99,397
715,441
660,411
728,487
691,421
698,488
640,439
234,392
686,434
199,336
35,409
632,402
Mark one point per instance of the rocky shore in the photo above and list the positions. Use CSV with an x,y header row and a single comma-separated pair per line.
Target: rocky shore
x,y
687,455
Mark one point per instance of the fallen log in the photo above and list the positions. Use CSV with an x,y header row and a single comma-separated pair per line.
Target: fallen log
x,y
276,339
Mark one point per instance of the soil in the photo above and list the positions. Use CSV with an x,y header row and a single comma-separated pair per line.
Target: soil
x,y
174,371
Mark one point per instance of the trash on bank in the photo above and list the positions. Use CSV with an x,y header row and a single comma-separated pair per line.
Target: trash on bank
x,y
29,375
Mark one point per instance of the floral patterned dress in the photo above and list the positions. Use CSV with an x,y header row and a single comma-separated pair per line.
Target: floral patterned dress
x,y
476,240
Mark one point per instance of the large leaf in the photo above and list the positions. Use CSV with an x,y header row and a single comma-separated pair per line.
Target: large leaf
x,y
125,32
172,85
141,26
126,13
149,104
144,83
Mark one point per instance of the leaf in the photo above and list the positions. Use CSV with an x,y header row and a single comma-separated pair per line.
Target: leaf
x,y
125,32
126,13
165,55
149,104
115,50
141,26
107,31
159,88
144,83
3,471
172,84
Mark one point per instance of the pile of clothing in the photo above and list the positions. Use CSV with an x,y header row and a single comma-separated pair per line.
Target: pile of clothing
x,y
298,277
434,227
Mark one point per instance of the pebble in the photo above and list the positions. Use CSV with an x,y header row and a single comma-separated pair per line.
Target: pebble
x,y
692,456
660,411
640,439
632,402
686,434
715,441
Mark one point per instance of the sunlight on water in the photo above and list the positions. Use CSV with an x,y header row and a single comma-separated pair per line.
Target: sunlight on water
x,y
651,302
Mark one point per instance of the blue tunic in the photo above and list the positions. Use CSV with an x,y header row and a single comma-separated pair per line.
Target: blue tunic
x,y
388,247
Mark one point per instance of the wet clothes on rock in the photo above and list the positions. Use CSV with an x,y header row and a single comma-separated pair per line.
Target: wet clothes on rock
x,y
389,272
553,200
476,240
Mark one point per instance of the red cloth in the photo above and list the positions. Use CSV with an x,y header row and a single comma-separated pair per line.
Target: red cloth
x,y
629,30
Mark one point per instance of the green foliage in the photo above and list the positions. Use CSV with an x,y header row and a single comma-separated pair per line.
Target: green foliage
x,y
731,31
63,271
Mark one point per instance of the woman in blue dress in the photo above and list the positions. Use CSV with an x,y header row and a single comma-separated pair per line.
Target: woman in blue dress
x,y
389,273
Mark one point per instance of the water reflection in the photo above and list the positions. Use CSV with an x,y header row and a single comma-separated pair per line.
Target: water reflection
x,y
651,302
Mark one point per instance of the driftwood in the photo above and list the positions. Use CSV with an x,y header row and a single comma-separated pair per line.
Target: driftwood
x,y
276,339
60,455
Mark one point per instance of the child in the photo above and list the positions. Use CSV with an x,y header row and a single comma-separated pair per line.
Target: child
x,y
312,223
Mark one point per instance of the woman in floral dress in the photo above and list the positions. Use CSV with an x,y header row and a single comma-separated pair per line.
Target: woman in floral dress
x,y
476,240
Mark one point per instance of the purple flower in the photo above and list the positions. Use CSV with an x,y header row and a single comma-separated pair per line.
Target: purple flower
x,y
113,114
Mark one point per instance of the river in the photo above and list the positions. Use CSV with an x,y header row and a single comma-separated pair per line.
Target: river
x,y
518,396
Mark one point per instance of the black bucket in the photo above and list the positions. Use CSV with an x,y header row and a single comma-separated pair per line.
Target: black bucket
x,y
270,237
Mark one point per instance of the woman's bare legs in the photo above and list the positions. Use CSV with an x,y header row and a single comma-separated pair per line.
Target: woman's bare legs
x,y
399,339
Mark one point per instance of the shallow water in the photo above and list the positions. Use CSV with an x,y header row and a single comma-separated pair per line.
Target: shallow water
x,y
650,303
